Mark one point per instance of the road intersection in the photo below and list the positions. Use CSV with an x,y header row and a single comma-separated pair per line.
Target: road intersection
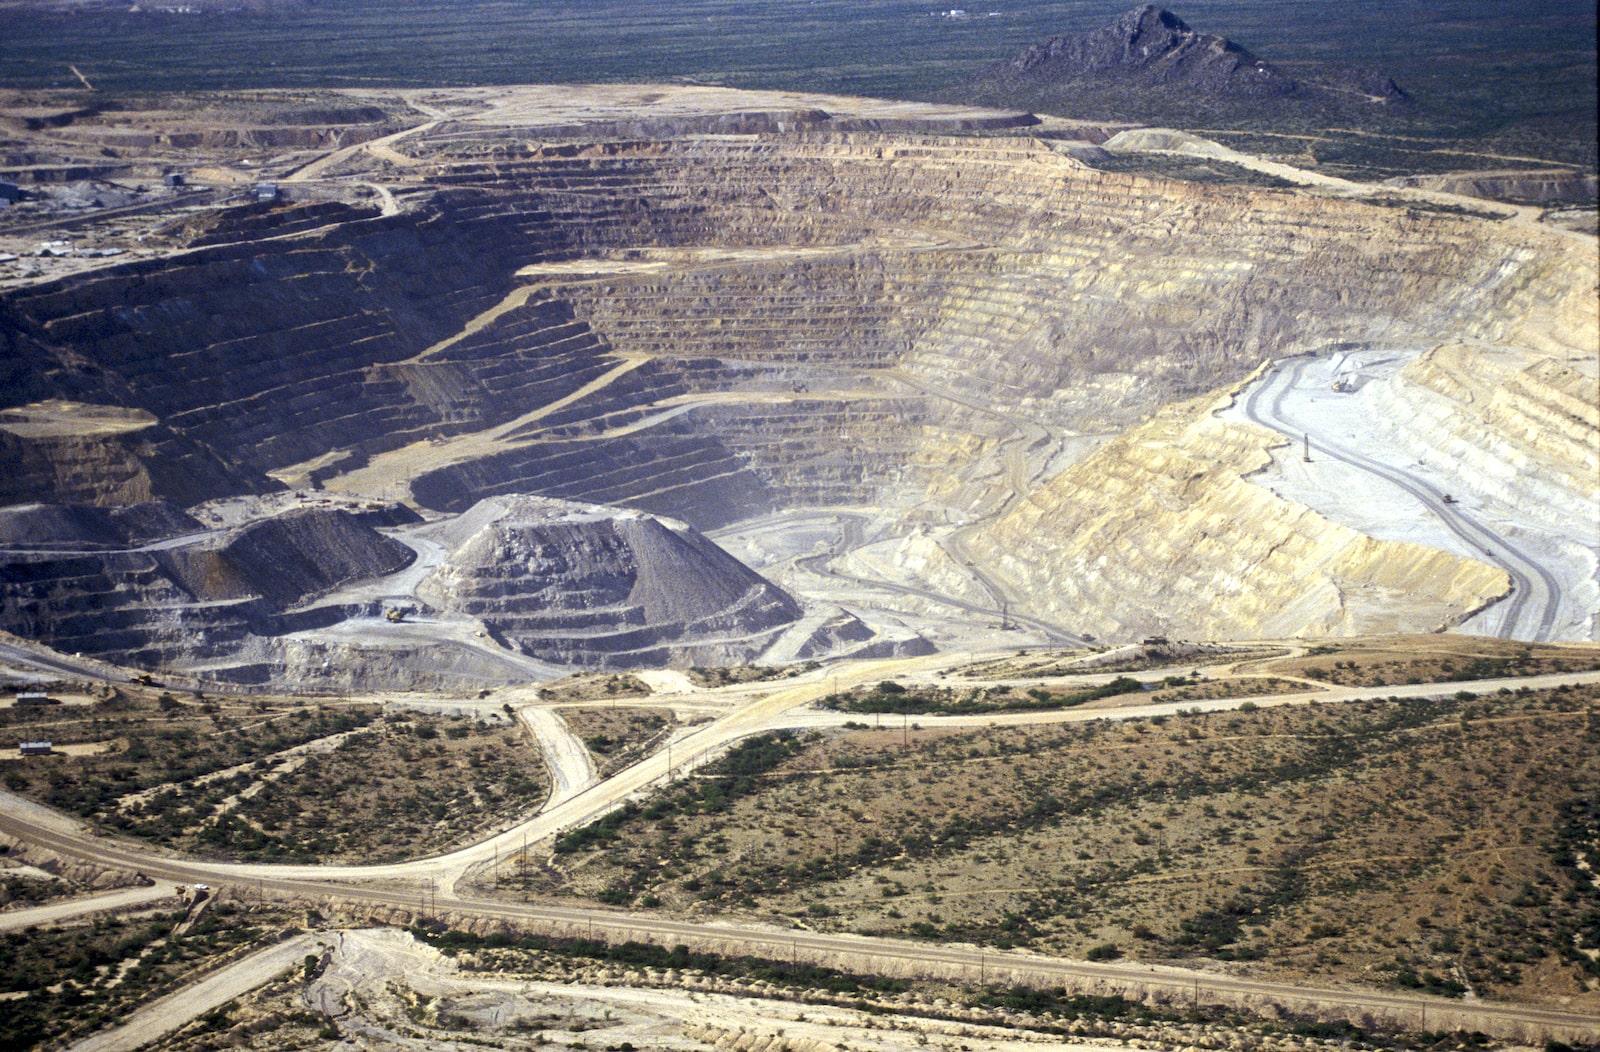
x,y
435,886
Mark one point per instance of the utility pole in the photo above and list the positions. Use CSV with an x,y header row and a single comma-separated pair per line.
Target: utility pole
x,y
1306,456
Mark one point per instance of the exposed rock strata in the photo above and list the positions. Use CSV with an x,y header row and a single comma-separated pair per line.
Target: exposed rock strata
x,y
189,603
57,526
1518,427
710,327
996,271
585,585
1160,532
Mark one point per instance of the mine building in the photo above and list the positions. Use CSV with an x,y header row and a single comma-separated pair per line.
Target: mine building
x,y
266,191
174,179
34,697
36,748
9,192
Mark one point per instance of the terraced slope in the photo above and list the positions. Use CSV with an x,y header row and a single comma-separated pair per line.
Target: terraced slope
x,y
576,584
191,599
715,326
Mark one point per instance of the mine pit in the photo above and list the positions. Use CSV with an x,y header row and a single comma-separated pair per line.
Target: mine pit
x,y
934,378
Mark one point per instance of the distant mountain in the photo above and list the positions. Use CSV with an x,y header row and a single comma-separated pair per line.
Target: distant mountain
x,y
1151,55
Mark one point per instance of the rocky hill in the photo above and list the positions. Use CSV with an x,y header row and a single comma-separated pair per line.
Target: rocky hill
x,y
1149,56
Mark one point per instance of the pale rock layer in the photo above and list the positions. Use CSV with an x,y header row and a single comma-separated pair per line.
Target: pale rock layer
x,y
1161,532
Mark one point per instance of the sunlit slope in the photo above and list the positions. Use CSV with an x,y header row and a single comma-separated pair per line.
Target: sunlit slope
x,y
712,324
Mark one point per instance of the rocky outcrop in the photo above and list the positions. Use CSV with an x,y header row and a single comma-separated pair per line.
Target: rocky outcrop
x,y
1153,47
1150,51
593,586
1160,533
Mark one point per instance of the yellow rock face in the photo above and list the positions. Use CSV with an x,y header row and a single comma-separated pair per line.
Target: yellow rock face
x,y
1159,531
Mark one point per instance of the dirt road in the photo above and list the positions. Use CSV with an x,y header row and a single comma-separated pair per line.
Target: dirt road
x,y
56,912
571,768
174,1010
427,886
1530,611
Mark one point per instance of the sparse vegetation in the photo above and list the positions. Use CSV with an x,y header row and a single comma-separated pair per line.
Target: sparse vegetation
x,y
722,676
617,738
281,780
74,980
1435,659
589,686
1381,841
890,697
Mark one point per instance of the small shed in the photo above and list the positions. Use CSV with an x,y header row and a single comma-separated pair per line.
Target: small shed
x,y
36,748
266,191
174,179
9,192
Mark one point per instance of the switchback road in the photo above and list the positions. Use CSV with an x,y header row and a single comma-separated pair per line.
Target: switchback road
x,y
1529,612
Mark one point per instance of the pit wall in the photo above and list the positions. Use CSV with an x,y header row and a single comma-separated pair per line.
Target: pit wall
x,y
994,273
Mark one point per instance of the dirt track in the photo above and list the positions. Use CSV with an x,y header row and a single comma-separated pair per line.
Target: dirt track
x,y
435,895
215,990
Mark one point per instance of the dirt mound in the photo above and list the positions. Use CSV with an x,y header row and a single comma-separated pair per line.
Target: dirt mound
x,y
591,585
288,559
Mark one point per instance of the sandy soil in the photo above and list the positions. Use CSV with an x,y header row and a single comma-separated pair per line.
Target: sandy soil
x,y
376,975
571,768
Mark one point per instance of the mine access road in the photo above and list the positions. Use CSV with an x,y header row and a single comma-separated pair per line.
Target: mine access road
x,y
429,887
1529,612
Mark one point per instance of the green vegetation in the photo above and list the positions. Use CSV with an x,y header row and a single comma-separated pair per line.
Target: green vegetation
x,y
619,737
29,889
891,697
1025,1009
1417,843
722,676
76,980
638,956
1439,660
732,777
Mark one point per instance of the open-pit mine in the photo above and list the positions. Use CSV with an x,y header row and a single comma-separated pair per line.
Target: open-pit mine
x,y
357,442
276,414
